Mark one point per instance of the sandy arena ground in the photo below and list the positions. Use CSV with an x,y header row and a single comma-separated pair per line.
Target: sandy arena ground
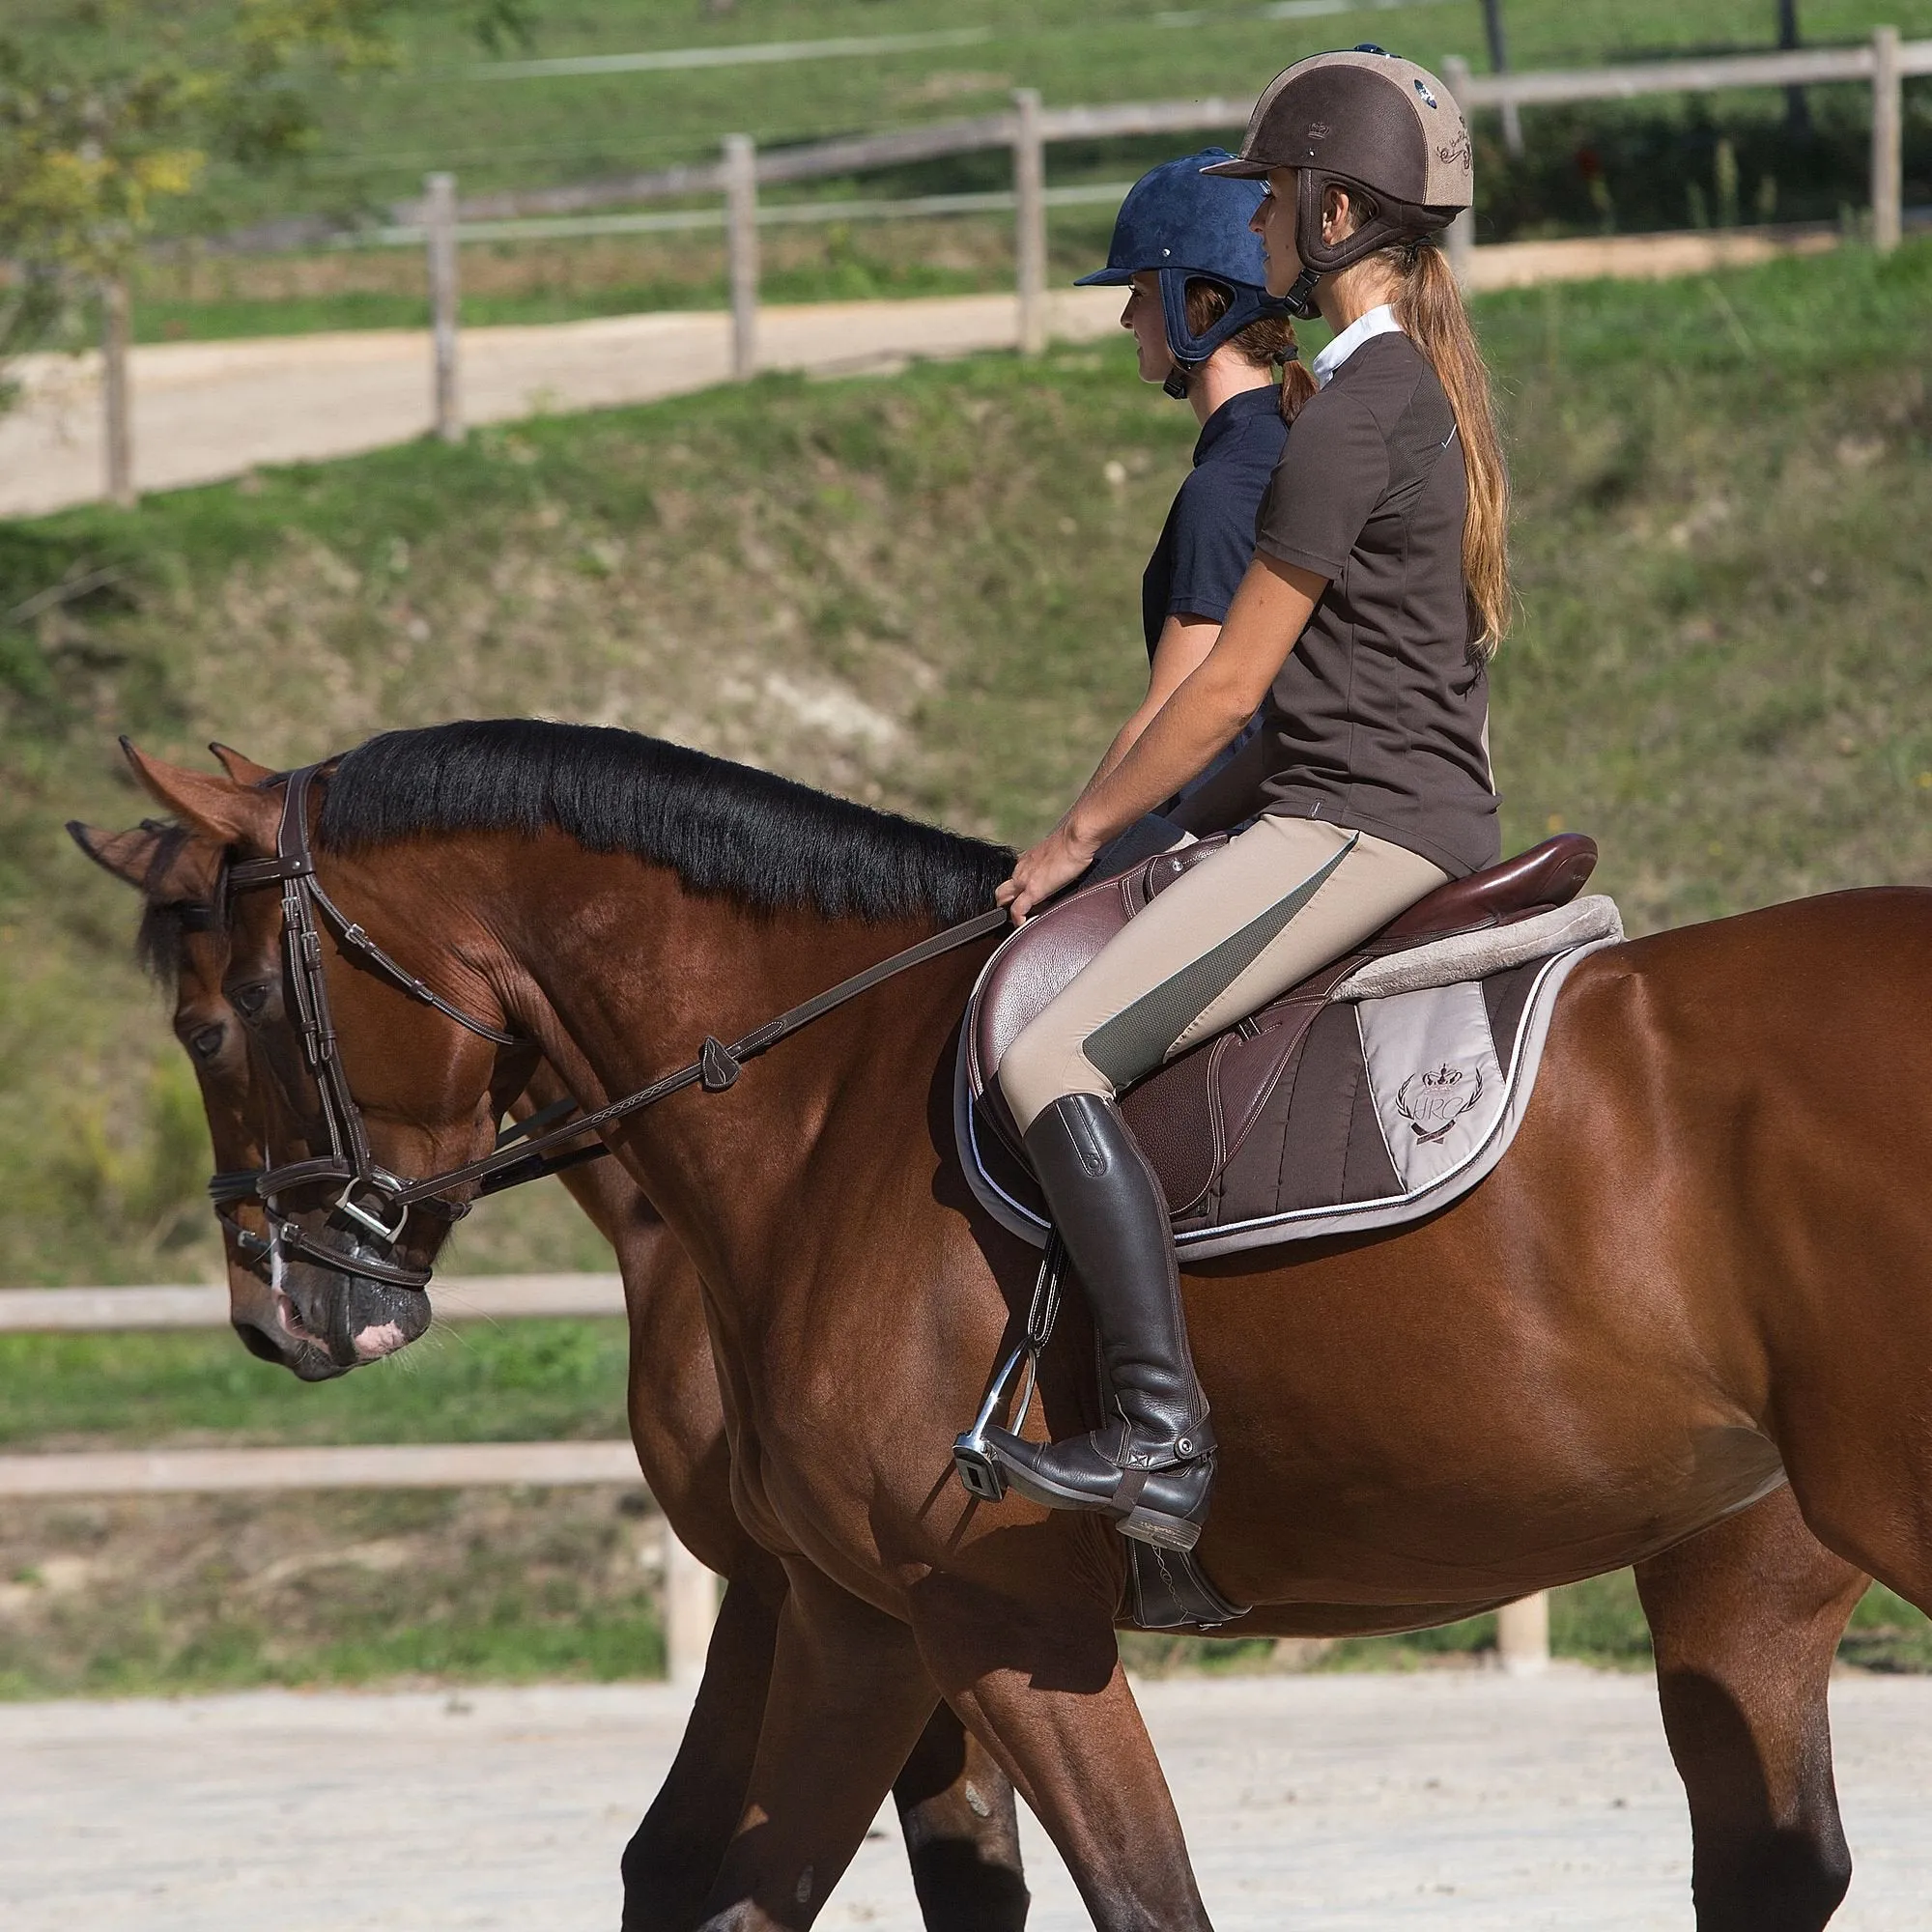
x,y
1458,1801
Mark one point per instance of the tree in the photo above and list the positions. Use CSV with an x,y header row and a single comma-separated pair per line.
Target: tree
x,y
89,158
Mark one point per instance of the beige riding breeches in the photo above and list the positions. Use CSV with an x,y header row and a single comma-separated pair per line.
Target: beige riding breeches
x,y
1281,901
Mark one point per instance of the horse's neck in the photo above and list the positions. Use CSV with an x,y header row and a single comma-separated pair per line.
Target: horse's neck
x,y
731,1172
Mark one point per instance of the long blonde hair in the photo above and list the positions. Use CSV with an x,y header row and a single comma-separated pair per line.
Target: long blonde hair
x,y
1428,305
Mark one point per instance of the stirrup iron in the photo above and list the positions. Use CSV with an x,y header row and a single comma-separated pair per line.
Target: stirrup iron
x,y
978,1469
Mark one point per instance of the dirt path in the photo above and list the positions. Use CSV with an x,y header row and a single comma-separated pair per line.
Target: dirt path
x,y
1455,1801
207,409
203,410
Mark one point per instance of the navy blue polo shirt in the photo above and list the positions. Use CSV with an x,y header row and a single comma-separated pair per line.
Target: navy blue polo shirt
x,y
1208,539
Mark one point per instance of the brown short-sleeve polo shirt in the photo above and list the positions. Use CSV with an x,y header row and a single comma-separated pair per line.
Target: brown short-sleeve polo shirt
x,y
1377,720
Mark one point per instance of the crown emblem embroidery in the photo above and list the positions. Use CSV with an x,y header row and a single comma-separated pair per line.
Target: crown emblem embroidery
x,y
1433,1102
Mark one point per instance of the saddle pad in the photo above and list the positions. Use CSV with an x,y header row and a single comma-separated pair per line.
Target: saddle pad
x,y
1332,1111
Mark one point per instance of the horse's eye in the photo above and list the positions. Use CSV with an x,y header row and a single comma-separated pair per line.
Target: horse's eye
x,y
205,1043
248,1001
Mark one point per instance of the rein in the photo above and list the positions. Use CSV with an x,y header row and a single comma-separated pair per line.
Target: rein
x,y
375,1201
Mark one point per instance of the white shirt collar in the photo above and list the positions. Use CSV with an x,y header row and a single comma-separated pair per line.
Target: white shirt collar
x,y
1377,321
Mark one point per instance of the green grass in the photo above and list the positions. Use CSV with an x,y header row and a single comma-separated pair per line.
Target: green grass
x,y
470,1382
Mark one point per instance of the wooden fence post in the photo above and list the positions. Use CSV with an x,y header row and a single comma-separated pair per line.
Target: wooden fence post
x,y
741,217
690,1608
1888,157
1462,236
440,246
1523,1635
1029,220
116,396
1499,60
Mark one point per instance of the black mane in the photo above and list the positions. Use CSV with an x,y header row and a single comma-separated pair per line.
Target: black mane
x,y
723,828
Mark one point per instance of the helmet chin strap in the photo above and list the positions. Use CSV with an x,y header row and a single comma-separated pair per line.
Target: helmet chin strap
x,y
1300,298
1178,374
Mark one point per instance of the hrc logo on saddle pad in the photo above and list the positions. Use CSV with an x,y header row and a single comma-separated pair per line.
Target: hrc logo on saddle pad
x,y
1433,1102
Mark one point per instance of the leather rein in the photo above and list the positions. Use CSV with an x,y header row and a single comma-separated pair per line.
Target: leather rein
x,y
377,1202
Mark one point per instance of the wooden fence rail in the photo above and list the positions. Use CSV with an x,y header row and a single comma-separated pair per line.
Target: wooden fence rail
x,y
819,160
376,1465
485,1297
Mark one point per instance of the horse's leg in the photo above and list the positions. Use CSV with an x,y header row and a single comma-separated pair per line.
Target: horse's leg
x,y
962,1831
1038,1678
674,1855
1745,1619
849,1697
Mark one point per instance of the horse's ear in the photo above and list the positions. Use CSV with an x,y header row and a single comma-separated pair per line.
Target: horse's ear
x,y
243,770
219,808
127,855
161,862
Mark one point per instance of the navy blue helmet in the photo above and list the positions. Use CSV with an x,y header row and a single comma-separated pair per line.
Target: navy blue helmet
x,y
1186,226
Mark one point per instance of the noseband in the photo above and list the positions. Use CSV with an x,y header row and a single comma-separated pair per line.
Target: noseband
x,y
376,1202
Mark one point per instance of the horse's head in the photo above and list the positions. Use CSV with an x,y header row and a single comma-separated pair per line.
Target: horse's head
x,y
343,1266
183,942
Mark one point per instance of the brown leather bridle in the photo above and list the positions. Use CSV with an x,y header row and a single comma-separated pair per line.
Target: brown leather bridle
x,y
374,1202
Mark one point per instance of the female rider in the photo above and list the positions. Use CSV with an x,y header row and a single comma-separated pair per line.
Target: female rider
x,y
1206,330
1377,590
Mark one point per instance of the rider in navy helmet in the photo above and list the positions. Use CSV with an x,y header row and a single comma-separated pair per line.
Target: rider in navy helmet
x,y
1206,330
1181,226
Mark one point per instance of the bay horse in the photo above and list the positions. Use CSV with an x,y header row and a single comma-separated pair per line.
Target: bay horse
x,y
957,1807
1693,1278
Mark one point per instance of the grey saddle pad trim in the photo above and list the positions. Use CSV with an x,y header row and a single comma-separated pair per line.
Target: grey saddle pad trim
x,y
1349,1217
1475,956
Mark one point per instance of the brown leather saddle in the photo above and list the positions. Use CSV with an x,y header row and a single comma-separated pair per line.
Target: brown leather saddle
x,y
1192,1116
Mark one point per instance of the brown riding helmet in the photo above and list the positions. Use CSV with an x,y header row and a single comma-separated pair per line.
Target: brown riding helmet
x,y
1384,129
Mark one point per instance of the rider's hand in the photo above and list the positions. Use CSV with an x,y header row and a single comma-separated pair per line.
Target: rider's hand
x,y
1055,863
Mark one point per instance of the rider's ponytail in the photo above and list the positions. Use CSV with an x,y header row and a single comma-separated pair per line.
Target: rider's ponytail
x,y
1430,311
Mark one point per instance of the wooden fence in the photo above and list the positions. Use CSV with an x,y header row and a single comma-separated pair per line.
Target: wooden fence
x,y
690,1590
1029,128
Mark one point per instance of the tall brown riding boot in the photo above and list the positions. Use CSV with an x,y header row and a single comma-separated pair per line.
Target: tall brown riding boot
x,y
1153,1464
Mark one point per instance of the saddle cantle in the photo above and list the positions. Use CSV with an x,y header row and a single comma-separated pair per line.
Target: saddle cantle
x,y
1195,1116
